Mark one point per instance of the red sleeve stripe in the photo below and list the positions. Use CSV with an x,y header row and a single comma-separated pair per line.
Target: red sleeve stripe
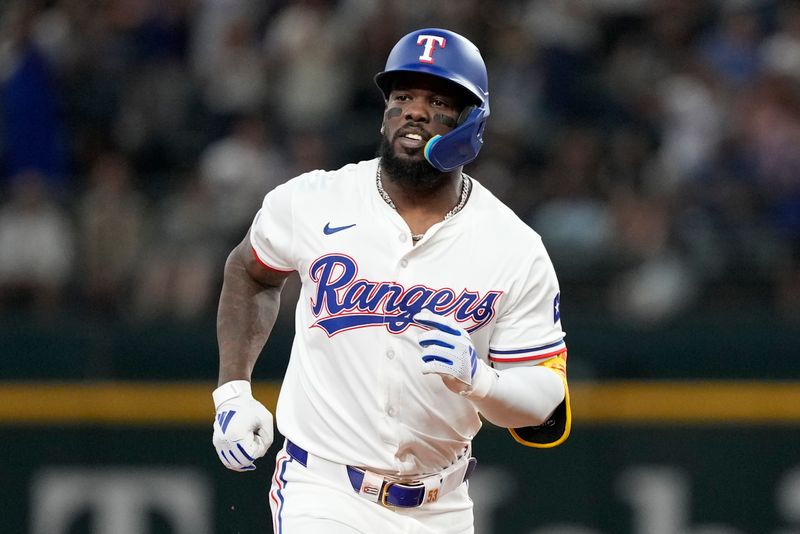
x,y
529,357
266,266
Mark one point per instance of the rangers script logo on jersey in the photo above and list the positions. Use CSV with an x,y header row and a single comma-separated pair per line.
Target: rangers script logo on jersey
x,y
357,303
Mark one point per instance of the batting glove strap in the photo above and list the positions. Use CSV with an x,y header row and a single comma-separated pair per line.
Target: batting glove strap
x,y
482,383
230,390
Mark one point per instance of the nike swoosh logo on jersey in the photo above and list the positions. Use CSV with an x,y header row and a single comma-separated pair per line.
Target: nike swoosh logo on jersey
x,y
333,229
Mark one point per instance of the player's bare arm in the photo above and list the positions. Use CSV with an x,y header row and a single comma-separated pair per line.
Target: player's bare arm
x,y
248,307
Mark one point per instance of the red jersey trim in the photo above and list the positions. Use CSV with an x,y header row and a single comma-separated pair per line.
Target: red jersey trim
x,y
528,358
266,265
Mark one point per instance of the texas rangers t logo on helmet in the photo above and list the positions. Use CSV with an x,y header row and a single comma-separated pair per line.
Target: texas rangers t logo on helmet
x,y
430,43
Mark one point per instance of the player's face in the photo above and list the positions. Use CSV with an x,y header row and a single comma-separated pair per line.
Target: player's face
x,y
419,107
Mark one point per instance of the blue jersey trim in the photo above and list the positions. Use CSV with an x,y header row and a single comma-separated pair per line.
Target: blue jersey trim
x,y
523,351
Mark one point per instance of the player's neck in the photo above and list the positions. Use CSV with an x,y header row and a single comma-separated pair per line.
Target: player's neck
x,y
422,207
435,199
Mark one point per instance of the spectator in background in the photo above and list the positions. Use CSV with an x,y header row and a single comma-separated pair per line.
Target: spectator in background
x,y
692,117
573,211
780,52
516,93
653,280
771,137
236,170
34,136
731,49
567,33
693,106
236,79
210,31
155,121
305,44
36,248
307,151
111,216
177,270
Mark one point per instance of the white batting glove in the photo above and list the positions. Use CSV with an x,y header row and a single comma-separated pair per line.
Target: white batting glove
x,y
242,427
447,350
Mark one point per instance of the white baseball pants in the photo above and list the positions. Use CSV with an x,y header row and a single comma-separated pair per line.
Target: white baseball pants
x,y
319,498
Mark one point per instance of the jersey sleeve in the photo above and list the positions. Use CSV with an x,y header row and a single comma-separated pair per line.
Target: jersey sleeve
x,y
529,328
271,234
529,333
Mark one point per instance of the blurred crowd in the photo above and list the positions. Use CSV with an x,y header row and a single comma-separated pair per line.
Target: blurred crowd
x,y
654,144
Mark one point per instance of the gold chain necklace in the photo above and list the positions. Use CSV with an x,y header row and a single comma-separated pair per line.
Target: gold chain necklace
x,y
466,187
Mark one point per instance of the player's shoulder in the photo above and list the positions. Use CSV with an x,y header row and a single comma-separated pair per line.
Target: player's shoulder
x,y
510,243
494,216
344,178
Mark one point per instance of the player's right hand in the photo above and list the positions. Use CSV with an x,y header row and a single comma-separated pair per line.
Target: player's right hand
x,y
242,426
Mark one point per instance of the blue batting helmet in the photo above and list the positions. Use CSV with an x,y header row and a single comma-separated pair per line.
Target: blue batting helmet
x,y
450,56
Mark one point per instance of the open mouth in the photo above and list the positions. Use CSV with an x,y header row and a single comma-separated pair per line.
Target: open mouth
x,y
411,139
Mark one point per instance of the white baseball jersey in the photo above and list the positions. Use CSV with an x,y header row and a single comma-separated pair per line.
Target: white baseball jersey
x,y
354,391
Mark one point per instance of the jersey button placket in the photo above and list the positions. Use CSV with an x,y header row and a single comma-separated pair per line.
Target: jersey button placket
x,y
391,395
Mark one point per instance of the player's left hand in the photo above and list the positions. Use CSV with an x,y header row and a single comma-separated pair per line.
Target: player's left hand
x,y
242,426
447,350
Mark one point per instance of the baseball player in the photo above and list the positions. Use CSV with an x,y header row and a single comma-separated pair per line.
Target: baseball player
x,y
425,304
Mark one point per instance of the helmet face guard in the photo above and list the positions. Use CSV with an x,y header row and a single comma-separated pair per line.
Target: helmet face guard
x,y
447,55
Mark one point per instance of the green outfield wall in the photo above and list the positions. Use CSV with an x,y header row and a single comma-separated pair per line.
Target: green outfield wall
x,y
690,427
736,345
136,458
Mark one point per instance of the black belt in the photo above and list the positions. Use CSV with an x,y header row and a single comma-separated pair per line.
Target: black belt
x,y
391,492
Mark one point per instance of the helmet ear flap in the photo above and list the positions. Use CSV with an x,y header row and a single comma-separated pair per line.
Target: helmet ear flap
x,y
464,115
461,145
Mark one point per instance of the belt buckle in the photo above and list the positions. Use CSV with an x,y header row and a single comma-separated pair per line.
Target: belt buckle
x,y
409,486
385,492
